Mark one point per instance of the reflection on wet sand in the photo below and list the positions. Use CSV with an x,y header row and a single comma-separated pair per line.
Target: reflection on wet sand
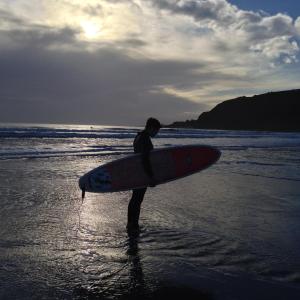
x,y
129,282
136,276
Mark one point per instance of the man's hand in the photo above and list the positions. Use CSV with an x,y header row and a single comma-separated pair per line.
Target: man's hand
x,y
152,181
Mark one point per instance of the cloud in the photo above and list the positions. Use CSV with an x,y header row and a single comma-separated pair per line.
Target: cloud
x,y
270,27
93,10
214,10
279,47
40,36
297,26
105,87
7,17
123,60
244,27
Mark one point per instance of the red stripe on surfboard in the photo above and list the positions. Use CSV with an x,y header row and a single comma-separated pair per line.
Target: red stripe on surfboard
x,y
189,160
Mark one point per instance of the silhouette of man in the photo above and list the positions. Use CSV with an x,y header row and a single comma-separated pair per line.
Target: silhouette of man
x,y
142,144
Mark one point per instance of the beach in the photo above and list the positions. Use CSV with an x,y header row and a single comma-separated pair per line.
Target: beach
x,y
228,232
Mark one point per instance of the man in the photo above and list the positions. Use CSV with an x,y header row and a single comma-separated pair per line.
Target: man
x,y
142,144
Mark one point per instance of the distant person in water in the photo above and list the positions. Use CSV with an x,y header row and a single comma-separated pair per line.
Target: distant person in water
x,y
142,144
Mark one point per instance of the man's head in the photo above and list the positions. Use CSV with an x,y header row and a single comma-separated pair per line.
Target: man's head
x,y
152,126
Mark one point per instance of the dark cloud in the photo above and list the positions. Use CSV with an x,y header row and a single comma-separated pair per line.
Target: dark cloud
x,y
93,10
200,10
21,33
41,36
10,18
106,86
132,43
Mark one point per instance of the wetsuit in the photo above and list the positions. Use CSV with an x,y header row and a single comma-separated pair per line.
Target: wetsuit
x,y
142,144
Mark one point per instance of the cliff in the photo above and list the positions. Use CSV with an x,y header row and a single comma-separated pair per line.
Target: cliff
x,y
275,111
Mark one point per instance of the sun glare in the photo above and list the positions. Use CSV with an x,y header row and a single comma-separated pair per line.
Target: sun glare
x,y
90,29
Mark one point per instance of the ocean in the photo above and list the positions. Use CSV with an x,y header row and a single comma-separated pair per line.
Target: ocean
x,y
228,232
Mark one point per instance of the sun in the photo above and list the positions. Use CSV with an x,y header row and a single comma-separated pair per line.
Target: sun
x,y
90,29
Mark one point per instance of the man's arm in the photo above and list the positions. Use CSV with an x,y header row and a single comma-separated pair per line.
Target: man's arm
x,y
147,164
148,168
144,146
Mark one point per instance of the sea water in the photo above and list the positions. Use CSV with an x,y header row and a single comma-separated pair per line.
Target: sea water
x,y
228,232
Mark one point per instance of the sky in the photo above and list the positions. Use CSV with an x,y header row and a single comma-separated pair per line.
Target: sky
x,y
289,7
118,62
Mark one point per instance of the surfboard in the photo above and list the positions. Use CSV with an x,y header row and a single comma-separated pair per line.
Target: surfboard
x,y
168,164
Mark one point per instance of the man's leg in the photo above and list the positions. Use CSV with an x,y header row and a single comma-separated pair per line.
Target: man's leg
x,y
134,207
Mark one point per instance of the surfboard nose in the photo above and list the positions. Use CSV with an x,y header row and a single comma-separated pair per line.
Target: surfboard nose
x,y
81,184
